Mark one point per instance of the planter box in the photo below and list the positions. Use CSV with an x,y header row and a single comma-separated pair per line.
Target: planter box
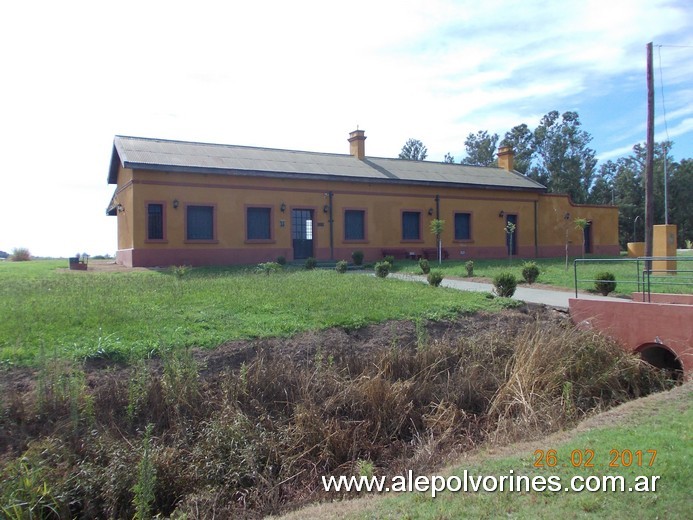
x,y
76,264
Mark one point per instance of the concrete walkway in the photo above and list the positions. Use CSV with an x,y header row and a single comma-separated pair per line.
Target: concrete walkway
x,y
553,298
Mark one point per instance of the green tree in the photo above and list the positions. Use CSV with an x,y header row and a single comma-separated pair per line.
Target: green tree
x,y
564,162
449,159
437,226
510,231
521,140
413,150
681,199
603,190
625,176
637,161
581,224
481,149
630,199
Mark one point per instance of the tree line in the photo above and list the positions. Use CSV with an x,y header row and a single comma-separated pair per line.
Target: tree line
x,y
557,154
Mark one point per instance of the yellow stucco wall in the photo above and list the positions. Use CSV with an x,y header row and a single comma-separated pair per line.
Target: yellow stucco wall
x,y
383,203
557,216
127,226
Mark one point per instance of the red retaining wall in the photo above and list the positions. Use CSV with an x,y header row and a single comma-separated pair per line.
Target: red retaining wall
x,y
636,324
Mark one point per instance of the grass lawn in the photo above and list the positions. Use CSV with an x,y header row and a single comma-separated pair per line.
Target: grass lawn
x,y
46,308
553,272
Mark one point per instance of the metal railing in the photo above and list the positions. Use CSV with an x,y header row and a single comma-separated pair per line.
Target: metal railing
x,y
645,274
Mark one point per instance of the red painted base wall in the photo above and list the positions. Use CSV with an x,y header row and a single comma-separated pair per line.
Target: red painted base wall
x,y
165,257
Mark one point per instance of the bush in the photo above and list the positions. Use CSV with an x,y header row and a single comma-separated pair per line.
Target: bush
x,y
341,266
310,263
281,260
389,259
605,283
357,257
530,272
469,266
268,268
505,284
425,266
382,269
434,278
180,271
20,254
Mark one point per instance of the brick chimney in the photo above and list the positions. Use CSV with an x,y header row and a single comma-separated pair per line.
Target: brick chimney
x,y
357,141
506,157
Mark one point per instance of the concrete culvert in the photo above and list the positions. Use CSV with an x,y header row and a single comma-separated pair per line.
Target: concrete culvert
x,y
660,356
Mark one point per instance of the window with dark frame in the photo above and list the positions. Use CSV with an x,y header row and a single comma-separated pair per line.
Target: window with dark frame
x,y
411,225
200,220
354,224
155,221
463,230
258,223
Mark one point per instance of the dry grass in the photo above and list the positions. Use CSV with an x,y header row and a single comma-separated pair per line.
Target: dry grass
x,y
559,374
254,438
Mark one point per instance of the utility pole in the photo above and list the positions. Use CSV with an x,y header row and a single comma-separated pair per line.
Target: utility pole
x,y
649,161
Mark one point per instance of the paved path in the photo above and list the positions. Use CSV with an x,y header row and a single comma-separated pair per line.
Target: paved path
x,y
552,298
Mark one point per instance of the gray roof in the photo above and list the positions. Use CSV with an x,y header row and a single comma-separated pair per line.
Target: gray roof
x,y
189,157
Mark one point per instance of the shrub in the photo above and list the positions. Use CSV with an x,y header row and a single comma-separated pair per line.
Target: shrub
x,y
382,269
434,278
357,257
389,259
469,266
268,268
605,283
180,271
425,266
689,244
505,284
341,266
530,272
310,263
281,260
20,254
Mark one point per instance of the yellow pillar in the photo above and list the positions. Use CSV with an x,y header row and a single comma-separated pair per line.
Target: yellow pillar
x,y
664,244
636,249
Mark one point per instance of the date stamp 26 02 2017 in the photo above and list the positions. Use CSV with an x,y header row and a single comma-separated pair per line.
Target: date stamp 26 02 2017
x,y
585,458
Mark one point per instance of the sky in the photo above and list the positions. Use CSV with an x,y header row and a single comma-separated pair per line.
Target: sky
x,y
301,75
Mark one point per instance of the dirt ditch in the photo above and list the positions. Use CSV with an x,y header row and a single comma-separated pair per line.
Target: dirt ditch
x,y
246,429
